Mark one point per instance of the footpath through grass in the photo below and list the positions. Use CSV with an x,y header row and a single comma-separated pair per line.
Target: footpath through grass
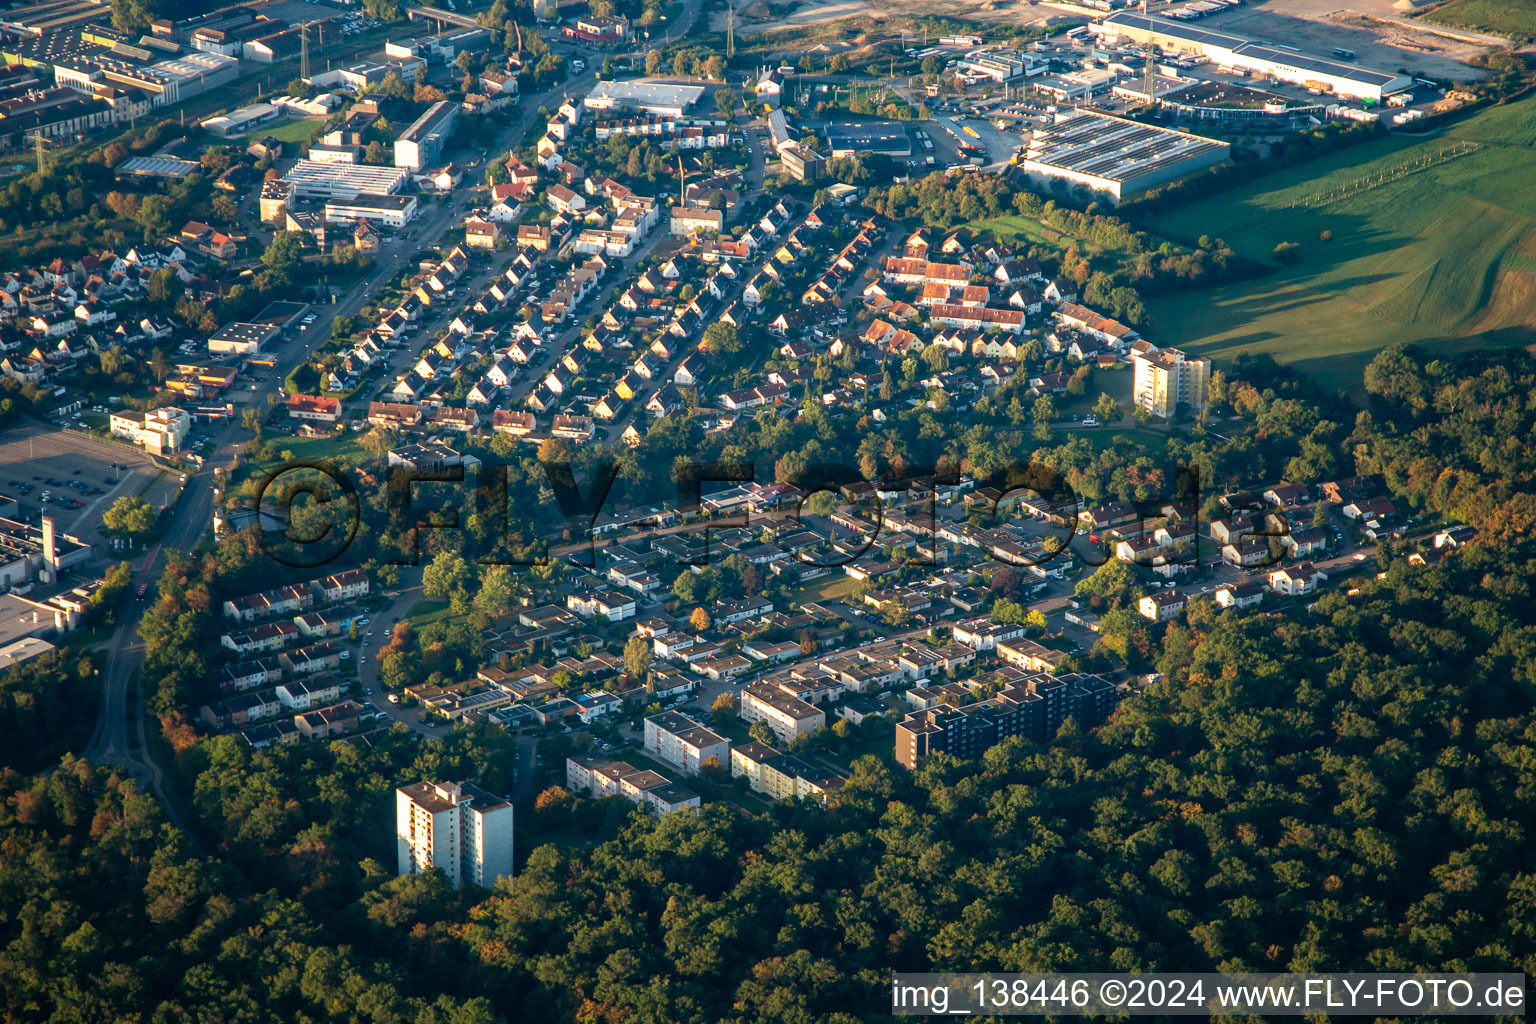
x,y
1431,242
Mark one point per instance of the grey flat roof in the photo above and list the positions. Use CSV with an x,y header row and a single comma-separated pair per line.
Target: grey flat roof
x,y
373,201
1248,47
673,793
645,92
429,123
1167,27
16,619
237,331
867,132
1349,72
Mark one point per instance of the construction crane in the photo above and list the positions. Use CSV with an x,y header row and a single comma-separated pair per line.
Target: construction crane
x,y
682,182
1151,60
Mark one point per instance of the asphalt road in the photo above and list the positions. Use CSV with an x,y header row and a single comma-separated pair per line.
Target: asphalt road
x,y
116,721
371,692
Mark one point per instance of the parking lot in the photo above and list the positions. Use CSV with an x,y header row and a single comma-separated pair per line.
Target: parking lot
x,y
73,477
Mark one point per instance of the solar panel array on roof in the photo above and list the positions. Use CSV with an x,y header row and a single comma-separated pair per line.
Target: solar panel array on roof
x,y
1111,148
162,165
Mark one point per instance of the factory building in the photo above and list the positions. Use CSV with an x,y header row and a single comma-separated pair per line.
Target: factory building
x,y
864,137
310,179
1115,156
1237,52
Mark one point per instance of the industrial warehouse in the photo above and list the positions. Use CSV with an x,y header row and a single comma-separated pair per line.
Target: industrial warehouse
x,y
1115,156
1233,51
860,138
312,180
665,99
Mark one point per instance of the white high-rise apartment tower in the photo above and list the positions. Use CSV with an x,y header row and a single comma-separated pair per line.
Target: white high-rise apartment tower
x,y
1167,379
455,826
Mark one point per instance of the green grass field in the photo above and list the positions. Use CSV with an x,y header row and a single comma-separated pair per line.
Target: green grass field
x,y
285,131
828,588
1444,256
1512,19
1015,229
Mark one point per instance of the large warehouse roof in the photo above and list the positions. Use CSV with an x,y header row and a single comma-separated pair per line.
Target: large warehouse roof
x,y
1113,148
343,180
646,93
1331,68
1164,27
868,137
1254,51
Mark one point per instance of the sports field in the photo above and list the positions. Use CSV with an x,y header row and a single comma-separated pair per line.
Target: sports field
x,y
1433,242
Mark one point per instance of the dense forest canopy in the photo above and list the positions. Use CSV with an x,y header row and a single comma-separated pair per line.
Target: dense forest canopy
x,y
1349,791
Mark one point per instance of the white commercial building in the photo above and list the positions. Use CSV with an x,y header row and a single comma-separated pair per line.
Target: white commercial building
x,y
238,122
311,179
390,211
1003,65
1077,85
1233,51
159,431
665,98
239,339
457,827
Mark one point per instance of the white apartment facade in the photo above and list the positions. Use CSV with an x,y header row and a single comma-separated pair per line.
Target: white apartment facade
x,y
457,827
788,716
1168,379
679,740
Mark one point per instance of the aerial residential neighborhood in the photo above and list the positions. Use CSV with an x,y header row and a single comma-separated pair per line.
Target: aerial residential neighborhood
x,y
671,510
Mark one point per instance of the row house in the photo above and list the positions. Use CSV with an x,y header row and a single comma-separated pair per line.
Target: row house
x,y
249,675
979,318
343,586
240,710
285,600
747,398
309,660
325,723
1111,332
899,270
270,636
302,695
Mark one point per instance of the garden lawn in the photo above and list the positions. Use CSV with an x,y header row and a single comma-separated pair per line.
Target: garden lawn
x,y
293,132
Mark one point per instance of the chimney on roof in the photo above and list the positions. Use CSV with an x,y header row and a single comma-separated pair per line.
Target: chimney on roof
x,y
50,547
